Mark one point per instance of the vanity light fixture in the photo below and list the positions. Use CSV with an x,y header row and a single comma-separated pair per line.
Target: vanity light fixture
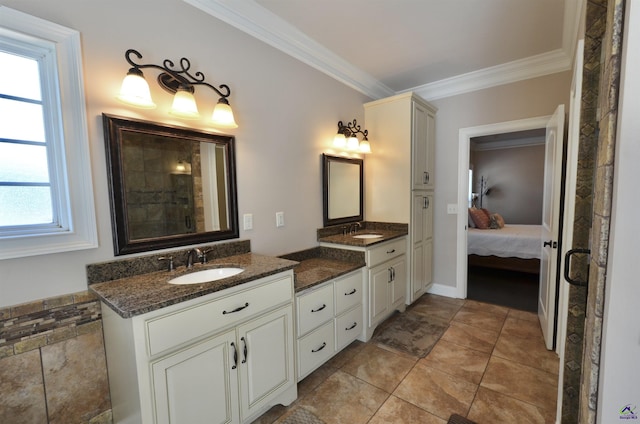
x,y
346,138
181,83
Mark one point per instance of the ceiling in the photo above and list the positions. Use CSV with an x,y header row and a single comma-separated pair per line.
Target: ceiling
x,y
437,48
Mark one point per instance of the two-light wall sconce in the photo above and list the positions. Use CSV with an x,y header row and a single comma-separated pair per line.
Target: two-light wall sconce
x,y
346,138
181,83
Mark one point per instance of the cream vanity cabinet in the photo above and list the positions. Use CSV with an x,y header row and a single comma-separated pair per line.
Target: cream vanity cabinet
x,y
401,177
329,317
222,358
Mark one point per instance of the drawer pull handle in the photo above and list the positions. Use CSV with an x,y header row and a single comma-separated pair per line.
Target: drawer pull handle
x,y
324,344
244,350
352,327
238,309
324,305
235,356
390,251
351,292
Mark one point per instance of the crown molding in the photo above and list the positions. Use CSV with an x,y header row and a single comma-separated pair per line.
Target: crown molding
x,y
253,19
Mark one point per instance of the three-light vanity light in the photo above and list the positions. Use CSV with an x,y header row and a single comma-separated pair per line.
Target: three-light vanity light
x,y
178,81
346,138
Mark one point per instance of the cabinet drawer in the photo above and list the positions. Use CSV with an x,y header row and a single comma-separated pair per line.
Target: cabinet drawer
x,y
315,348
314,308
379,254
348,292
177,328
348,327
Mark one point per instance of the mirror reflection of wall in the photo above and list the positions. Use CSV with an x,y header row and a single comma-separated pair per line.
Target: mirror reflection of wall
x,y
344,189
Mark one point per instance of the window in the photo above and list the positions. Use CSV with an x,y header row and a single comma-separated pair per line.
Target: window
x,y
46,195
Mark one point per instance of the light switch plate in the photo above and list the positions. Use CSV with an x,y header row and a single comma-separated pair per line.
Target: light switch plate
x,y
248,221
279,219
452,208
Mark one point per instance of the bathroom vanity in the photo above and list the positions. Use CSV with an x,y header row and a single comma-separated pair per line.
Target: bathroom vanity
x,y
220,351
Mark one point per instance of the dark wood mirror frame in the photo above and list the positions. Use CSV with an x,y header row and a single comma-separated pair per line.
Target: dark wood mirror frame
x,y
114,127
326,189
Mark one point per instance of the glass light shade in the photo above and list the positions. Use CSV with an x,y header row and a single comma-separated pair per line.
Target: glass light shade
x,y
135,91
340,141
365,147
352,143
222,116
184,105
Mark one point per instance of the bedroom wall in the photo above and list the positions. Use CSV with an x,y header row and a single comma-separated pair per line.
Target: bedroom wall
x,y
524,99
515,178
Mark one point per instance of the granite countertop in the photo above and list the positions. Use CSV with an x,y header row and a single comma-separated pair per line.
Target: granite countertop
x,y
144,293
320,264
349,240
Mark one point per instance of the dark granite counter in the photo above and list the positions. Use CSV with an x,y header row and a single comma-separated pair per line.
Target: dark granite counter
x,y
321,264
387,231
143,293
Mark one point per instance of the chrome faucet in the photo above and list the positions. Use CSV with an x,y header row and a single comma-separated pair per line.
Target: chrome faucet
x,y
198,255
353,228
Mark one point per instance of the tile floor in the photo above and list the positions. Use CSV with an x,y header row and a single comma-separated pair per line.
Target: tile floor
x,y
490,366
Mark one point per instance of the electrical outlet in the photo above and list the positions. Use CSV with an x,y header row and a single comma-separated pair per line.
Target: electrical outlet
x,y
452,208
279,219
248,221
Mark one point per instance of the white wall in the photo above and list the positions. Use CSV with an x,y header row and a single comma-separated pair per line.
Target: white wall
x,y
515,177
619,366
521,100
287,113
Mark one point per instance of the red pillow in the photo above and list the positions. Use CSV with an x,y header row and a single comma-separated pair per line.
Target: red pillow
x,y
480,218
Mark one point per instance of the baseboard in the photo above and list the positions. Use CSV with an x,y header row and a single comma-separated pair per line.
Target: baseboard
x,y
442,290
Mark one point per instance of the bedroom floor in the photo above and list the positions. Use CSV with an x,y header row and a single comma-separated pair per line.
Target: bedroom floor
x,y
518,290
490,365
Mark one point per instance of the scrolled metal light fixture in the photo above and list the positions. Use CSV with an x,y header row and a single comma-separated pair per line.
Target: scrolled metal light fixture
x,y
346,138
178,81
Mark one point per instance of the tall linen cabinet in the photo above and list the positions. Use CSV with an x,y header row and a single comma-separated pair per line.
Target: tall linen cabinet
x,y
399,177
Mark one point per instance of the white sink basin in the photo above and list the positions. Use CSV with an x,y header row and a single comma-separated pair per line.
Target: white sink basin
x,y
206,276
367,236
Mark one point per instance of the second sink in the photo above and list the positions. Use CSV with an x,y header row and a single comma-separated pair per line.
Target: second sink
x,y
206,275
367,236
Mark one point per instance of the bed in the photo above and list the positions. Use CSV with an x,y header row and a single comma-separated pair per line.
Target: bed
x,y
513,247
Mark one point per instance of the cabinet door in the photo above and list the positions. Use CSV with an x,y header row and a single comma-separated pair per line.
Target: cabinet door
x,y
379,281
198,384
421,242
430,150
398,285
419,143
266,359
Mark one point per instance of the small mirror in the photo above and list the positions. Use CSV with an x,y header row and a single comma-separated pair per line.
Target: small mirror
x,y
169,186
342,188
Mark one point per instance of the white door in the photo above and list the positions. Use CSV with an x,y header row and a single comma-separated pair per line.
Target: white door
x,y
550,224
569,211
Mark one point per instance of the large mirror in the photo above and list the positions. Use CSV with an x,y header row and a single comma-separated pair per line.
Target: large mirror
x,y
342,188
169,186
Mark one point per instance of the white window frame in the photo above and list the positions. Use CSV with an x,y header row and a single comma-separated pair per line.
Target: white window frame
x,y
66,123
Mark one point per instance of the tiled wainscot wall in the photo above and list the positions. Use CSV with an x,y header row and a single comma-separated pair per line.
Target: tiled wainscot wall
x,y
52,362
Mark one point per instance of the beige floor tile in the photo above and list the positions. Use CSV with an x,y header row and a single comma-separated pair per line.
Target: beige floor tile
x,y
480,319
525,315
437,310
514,327
457,360
313,380
397,411
527,351
272,415
343,398
435,299
472,337
486,307
346,354
521,382
380,367
436,392
493,407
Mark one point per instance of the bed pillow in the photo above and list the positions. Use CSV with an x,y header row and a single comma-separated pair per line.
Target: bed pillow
x,y
480,218
471,223
496,221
